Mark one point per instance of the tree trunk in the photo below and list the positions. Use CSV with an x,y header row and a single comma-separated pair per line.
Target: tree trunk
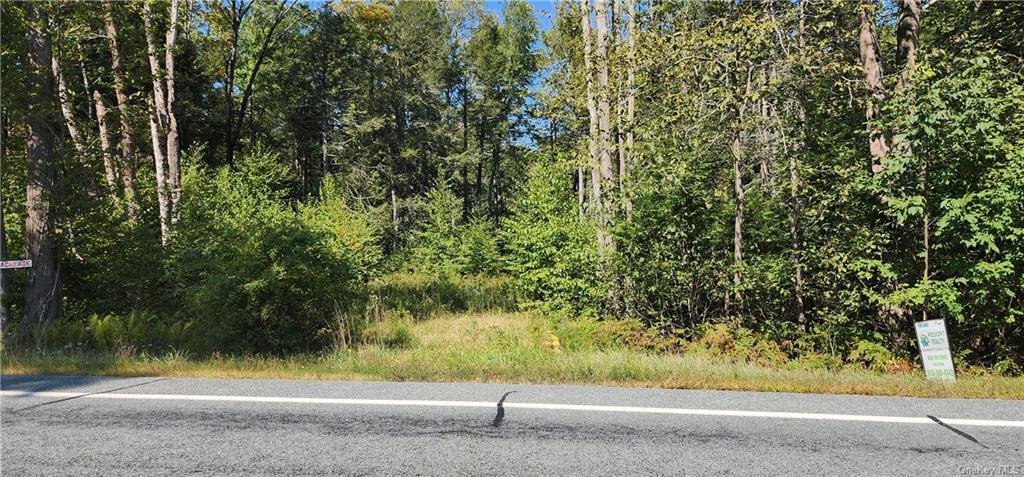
x,y
593,138
604,121
161,177
906,34
107,147
794,191
127,142
5,309
906,55
157,125
173,148
740,195
42,292
581,191
630,102
872,66
495,196
65,105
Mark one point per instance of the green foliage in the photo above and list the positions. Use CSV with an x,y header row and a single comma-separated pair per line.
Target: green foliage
x,y
246,267
391,332
960,121
551,250
350,234
443,245
424,295
140,331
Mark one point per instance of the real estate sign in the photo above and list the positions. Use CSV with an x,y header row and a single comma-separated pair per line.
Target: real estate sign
x,y
934,344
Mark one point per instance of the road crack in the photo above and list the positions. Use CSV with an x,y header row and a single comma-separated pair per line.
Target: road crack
x,y
958,431
501,410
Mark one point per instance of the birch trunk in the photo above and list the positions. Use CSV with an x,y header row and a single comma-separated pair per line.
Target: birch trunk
x,y
630,102
592,137
109,172
127,163
603,121
173,147
64,96
157,125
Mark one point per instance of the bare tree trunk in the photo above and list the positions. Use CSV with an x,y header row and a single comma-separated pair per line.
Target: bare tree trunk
x,y
157,124
173,148
65,105
907,43
630,102
107,147
161,176
794,192
42,293
5,309
604,121
872,65
906,33
740,195
493,195
592,136
925,233
906,55
127,142
394,210
581,192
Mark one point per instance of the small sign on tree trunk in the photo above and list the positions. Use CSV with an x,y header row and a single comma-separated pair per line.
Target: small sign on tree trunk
x,y
5,264
934,344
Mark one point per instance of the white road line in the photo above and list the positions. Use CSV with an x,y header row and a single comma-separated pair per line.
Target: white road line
x,y
523,405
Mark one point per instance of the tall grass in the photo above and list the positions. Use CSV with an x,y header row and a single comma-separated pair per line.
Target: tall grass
x,y
521,348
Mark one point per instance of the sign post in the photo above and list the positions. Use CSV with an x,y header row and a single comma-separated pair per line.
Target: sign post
x,y
6,264
934,344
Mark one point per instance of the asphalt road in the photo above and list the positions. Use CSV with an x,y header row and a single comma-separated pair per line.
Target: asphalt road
x,y
153,426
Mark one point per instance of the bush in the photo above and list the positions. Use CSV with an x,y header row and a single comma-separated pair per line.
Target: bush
x,y
738,344
142,331
394,331
444,245
551,250
876,357
253,273
423,295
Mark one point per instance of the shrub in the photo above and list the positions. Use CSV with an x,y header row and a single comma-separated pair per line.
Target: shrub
x,y
551,250
872,356
443,245
249,271
395,331
140,330
423,295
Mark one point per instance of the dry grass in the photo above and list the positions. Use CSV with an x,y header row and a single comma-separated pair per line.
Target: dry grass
x,y
515,347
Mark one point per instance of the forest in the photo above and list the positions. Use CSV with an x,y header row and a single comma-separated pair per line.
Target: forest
x,y
794,178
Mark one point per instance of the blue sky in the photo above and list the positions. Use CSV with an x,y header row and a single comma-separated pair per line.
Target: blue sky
x,y
545,10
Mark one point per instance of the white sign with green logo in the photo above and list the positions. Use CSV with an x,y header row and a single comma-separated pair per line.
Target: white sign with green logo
x,y
934,344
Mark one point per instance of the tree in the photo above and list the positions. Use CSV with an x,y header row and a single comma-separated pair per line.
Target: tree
x,y
127,163
871,62
42,294
158,121
230,23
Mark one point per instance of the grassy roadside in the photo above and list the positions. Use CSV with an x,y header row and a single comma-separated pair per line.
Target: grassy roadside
x,y
510,347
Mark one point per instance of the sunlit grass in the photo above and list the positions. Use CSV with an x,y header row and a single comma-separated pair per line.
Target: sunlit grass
x,y
512,347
